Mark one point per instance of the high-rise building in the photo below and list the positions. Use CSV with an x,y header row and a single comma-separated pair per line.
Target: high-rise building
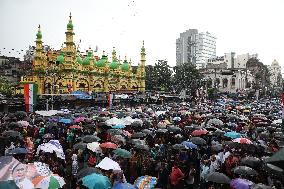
x,y
275,73
196,48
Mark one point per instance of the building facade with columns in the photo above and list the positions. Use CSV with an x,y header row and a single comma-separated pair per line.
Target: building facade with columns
x,y
217,75
67,70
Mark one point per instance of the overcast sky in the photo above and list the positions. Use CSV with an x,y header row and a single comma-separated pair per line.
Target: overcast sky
x,y
241,26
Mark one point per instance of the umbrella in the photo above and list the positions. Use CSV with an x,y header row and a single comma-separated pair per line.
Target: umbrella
x,y
277,159
232,135
115,131
12,133
86,171
199,132
79,119
10,184
18,151
96,181
80,145
217,148
198,140
6,164
161,131
272,169
23,123
90,138
260,186
94,146
241,183
138,135
145,182
141,147
189,145
215,121
108,164
251,161
65,121
118,126
176,119
108,145
20,114
179,147
136,124
244,170
242,141
147,131
118,139
137,141
122,153
123,186
217,177
48,136
174,129
53,181
75,127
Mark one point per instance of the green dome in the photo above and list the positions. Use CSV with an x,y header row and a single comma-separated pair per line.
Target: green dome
x,y
125,66
60,58
113,65
70,25
39,35
79,59
102,62
86,60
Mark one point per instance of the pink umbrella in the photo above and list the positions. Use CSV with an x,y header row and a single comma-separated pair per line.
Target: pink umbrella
x,y
79,119
24,123
242,141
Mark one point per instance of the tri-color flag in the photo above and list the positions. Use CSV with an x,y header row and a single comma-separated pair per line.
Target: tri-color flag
x,y
30,94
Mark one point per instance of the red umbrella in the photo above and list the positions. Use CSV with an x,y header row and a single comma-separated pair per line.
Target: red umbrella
x,y
75,127
242,141
199,132
108,145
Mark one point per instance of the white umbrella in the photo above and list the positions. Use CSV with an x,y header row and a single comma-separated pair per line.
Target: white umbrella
x,y
94,147
47,113
109,164
114,121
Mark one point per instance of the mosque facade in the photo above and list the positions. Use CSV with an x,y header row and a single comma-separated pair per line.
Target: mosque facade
x,y
68,70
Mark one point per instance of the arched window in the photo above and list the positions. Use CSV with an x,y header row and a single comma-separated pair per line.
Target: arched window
x,y
233,83
209,83
225,83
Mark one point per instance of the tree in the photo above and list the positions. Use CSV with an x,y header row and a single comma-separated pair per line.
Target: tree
x,y
187,77
158,77
5,87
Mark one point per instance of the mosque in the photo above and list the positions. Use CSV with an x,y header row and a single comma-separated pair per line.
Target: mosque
x,y
67,70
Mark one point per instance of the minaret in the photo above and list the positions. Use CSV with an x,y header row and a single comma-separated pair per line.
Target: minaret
x,y
114,58
38,54
70,50
142,68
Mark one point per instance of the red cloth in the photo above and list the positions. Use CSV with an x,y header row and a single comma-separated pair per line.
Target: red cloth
x,y
176,175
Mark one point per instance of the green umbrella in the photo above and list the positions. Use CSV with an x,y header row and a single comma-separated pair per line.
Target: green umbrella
x,y
122,153
8,184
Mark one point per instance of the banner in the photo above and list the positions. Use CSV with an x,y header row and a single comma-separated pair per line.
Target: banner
x,y
30,95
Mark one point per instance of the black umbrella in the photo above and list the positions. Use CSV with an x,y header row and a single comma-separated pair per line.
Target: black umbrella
x,y
277,159
174,129
136,124
11,133
272,169
217,177
115,131
179,147
14,125
141,147
18,151
86,171
244,170
217,148
198,140
260,186
80,145
147,131
138,135
48,136
90,138
137,141
251,161
218,132
161,131
21,114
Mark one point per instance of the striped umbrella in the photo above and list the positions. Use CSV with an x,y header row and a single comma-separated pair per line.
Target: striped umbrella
x,y
53,181
145,182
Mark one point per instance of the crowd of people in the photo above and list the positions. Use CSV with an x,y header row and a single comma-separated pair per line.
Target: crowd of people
x,y
227,143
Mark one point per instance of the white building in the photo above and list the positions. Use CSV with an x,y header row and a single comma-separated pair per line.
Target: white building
x,y
275,73
194,47
232,61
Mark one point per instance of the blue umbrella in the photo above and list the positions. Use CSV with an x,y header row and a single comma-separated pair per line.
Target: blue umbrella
x,y
64,120
96,181
124,186
232,134
189,145
118,126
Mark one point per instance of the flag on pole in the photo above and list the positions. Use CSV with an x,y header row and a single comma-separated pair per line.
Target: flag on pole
x,y
30,94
